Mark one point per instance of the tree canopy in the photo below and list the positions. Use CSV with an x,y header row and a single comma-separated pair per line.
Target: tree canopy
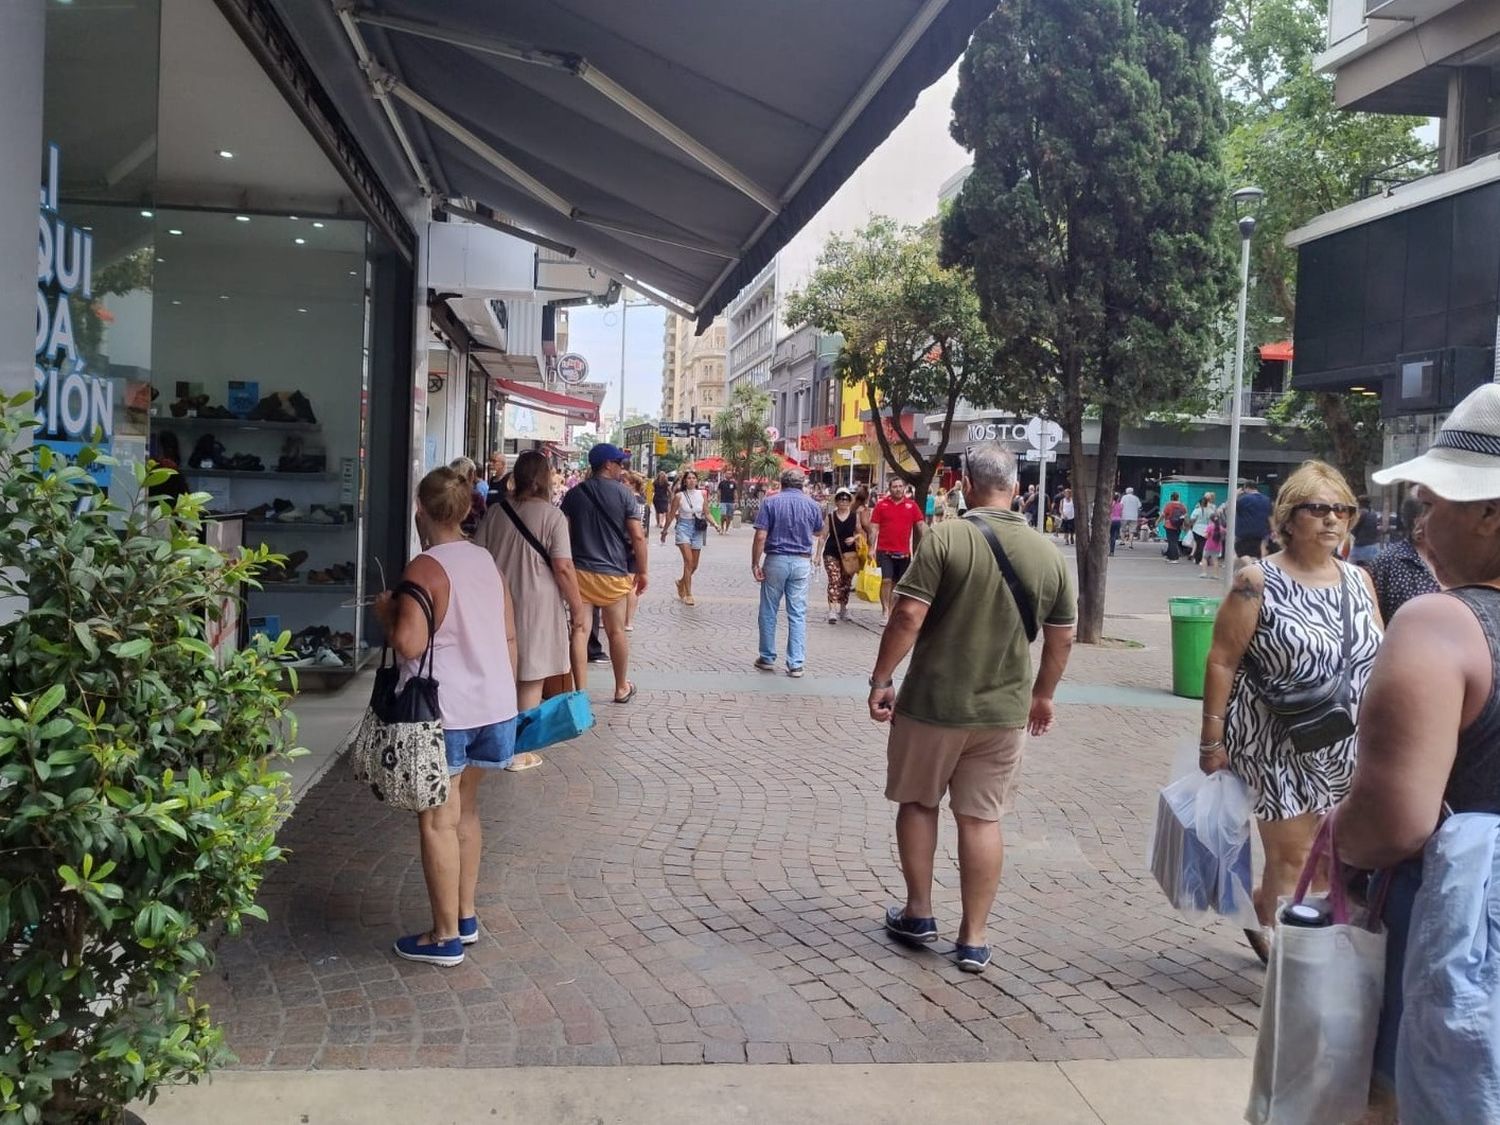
x,y
914,338
1089,221
740,430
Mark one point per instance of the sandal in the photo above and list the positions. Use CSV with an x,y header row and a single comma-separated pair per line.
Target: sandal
x,y
629,695
523,761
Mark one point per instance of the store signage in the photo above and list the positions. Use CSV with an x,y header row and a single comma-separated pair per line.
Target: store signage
x,y
1037,433
685,429
572,368
75,406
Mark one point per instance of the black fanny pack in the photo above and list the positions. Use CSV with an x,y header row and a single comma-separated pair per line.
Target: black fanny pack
x,y
1317,717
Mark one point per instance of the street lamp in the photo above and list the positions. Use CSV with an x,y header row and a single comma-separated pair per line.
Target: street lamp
x,y
1245,200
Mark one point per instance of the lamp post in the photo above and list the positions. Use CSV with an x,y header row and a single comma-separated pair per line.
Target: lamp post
x,y
1245,200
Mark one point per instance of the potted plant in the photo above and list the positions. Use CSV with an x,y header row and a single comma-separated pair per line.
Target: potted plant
x,y
139,795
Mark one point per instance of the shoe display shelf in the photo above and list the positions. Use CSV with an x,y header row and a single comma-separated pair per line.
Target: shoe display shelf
x,y
195,423
256,474
295,527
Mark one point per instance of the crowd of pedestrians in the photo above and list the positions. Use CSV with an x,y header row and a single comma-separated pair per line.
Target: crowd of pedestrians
x,y
1394,651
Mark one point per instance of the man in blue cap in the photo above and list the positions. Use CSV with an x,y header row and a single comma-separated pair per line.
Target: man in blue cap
x,y
609,550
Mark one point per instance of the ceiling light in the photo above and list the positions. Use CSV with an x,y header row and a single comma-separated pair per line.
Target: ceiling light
x,y
226,154
292,217
177,302
146,214
351,273
318,225
223,296
161,259
174,230
1357,390
242,218
301,310
300,241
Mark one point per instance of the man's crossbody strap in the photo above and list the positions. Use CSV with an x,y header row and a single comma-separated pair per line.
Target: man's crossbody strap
x,y
1012,579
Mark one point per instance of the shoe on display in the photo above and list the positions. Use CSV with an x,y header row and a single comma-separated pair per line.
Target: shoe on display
x,y
259,514
292,514
319,514
302,408
327,658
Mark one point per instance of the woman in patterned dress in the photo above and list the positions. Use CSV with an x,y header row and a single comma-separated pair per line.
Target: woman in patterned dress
x,y
1281,628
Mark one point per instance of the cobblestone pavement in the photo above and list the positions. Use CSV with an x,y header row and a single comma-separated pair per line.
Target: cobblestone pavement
x,y
702,878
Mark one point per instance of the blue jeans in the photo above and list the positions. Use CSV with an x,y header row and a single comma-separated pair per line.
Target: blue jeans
x,y
489,748
786,577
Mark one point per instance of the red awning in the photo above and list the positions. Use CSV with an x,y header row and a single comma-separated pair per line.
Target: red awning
x,y
710,465
547,402
1270,353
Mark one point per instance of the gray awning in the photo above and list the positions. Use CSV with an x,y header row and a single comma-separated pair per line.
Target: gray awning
x,y
682,147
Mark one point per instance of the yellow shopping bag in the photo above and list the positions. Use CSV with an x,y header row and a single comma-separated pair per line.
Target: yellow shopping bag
x,y
867,583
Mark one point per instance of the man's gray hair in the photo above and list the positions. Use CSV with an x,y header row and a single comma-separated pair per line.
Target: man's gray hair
x,y
992,467
793,478
464,465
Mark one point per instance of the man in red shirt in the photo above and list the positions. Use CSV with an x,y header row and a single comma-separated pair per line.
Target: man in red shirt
x,y
898,522
1171,517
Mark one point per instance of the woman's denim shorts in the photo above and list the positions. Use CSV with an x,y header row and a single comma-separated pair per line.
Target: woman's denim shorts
x,y
488,748
686,536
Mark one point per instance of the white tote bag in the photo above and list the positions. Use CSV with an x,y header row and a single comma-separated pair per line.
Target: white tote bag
x,y
1320,1011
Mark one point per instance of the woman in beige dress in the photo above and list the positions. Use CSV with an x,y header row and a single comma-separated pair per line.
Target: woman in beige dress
x,y
528,537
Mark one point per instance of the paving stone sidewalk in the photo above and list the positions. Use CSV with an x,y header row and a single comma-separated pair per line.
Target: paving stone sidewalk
x,y
701,880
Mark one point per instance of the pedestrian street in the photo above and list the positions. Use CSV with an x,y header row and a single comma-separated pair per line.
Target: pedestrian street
x,y
702,878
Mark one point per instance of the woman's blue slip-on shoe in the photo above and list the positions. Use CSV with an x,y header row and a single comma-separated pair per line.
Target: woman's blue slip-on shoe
x,y
913,931
446,953
468,930
972,958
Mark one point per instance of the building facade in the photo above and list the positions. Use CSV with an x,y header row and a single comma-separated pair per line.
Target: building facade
x,y
1398,294
753,324
701,392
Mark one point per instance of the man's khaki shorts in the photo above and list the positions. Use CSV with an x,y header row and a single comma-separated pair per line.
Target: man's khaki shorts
x,y
976,766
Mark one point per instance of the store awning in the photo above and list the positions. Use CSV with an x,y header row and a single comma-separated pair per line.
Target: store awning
x,y
683,150
1270,353
547,402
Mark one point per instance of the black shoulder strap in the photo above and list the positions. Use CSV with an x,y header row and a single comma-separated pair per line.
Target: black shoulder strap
x,y
1012,579
526,532
588,494
423,599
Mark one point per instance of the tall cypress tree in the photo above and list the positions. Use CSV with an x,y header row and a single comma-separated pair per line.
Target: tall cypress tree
x,y
1088,221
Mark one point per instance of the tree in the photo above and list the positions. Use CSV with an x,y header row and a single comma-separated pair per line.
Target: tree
x,y
914,340
1288,136
740,429
1089,221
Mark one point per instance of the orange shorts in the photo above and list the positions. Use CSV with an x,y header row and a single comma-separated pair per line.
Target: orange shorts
x,y
604,590
976,766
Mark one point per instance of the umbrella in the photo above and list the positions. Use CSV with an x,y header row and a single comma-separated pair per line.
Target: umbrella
x,y
709,465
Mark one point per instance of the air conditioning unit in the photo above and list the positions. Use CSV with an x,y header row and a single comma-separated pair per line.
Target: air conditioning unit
x,y
1433,381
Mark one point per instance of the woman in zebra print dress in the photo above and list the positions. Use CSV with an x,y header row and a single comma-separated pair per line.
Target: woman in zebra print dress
x,y
1281,628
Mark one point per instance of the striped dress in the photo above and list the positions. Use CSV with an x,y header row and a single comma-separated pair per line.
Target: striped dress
x,y
1298,641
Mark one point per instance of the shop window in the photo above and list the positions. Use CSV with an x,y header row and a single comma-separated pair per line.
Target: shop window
x,y
260,379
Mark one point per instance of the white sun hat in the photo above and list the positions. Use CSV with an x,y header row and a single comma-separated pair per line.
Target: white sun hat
x,y
1464,462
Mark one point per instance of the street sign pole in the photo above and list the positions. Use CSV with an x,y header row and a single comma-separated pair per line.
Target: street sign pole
x,y
1041,492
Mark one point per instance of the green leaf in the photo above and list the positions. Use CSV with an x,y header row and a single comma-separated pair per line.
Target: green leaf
x,y
47,702
129,650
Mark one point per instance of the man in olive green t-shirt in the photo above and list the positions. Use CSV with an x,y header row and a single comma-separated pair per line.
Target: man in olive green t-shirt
x,y
959,723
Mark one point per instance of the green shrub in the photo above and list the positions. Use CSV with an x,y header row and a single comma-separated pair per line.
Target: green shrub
x,y
138,798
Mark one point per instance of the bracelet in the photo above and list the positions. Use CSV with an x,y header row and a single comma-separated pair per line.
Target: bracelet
x,y
1213,718
1210,747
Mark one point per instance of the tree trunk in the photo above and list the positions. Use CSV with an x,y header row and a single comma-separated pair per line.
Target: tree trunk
x,y
1093,499
1348,446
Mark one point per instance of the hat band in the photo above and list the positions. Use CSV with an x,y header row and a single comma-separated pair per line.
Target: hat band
x,y
1471,441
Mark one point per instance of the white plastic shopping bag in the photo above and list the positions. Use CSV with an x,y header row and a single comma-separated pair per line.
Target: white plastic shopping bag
x,y
1321,1009
1200,847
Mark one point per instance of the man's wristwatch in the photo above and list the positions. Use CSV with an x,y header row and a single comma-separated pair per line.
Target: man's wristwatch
x,y
874,683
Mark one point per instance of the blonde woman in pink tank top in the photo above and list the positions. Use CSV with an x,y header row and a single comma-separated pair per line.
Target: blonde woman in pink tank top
x,y
474,657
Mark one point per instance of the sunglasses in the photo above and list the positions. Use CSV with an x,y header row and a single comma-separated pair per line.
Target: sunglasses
x,y
1323,511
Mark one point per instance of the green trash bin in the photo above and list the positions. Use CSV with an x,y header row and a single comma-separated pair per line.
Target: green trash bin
x,y
1192,637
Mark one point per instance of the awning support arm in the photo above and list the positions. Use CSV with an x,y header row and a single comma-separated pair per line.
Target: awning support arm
x,y
596,79
510,229
384,81
367,63
647,233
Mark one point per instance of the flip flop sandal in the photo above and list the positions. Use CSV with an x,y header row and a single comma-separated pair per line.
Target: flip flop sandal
x,y
524,761
629,695
688,599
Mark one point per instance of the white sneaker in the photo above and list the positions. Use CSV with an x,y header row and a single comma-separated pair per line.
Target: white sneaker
x,y
843,613
833,619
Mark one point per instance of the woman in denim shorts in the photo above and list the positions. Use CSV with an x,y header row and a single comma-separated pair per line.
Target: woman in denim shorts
x,y
473,661
690,511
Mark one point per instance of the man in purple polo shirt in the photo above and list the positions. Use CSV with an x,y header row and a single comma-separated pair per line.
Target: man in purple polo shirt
x,y
786,528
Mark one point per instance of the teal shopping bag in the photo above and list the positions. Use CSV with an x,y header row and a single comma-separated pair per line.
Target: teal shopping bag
x,y
558,719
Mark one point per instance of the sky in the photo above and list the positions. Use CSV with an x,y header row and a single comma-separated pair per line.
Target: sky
x,y
900,178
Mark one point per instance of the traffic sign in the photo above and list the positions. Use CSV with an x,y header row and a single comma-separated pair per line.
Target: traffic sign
x,y
685,429
1037,455
1042,434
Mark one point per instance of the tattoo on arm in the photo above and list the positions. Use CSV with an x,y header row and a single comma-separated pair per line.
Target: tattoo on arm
x,y
1246,589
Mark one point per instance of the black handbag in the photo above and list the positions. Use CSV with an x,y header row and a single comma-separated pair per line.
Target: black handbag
x,y
1317,717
